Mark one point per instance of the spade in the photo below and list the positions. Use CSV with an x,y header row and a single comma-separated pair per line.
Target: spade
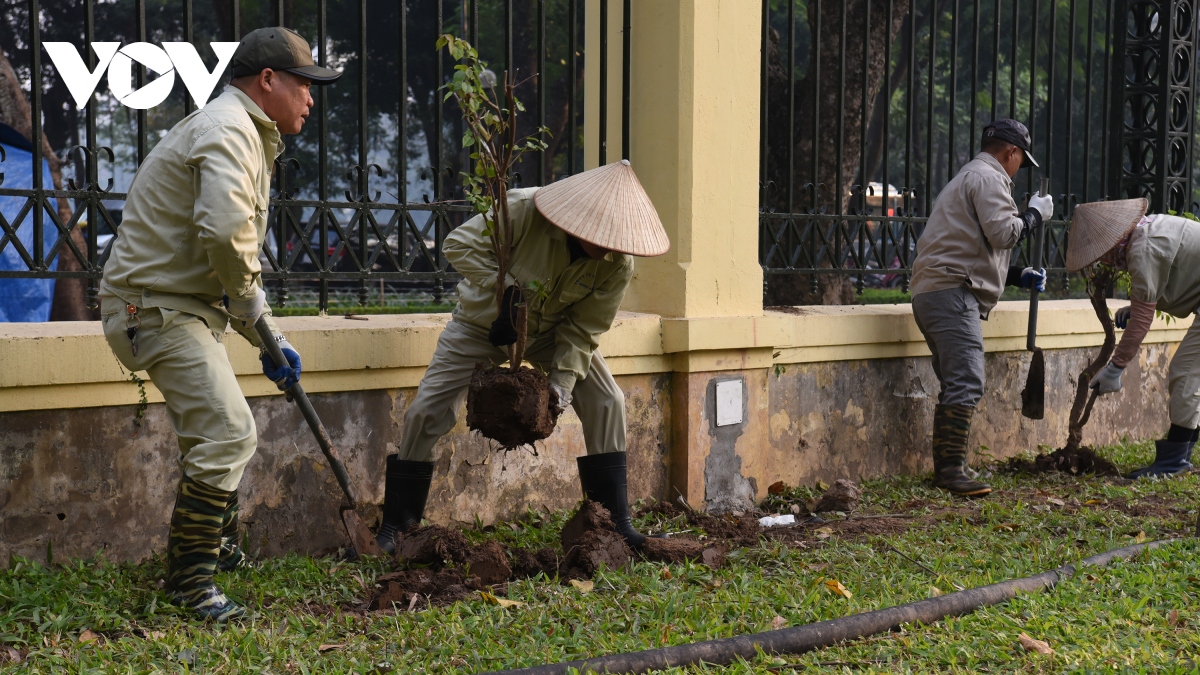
x,y
360,537
1033,396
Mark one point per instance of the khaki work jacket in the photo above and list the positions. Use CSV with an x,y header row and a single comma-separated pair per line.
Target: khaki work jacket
x,y
970,234
196,215
1164,264
580,299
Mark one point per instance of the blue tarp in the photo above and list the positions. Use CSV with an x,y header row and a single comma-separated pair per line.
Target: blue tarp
x,y
23,299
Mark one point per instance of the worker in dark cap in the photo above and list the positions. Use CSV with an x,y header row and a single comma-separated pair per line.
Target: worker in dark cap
x,y
184,267
962,267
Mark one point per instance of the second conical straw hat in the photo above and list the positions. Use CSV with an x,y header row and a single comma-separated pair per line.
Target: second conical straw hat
x,y
605,206
1098,226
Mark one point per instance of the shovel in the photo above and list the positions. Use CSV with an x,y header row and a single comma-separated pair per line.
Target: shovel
x,y
360,537
1033,396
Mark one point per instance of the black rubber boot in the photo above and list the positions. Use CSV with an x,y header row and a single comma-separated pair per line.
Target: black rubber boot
x,y
193,546
951,428
603,478
1170,458
404,497
231,556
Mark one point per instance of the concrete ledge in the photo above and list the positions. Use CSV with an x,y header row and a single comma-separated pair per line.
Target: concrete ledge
x,y
69,365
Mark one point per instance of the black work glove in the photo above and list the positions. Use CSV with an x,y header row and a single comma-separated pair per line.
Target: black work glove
x,y
504,330
1031,219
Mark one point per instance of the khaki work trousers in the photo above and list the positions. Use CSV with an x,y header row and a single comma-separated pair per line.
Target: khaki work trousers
x,y
189,365
1183,378
597,399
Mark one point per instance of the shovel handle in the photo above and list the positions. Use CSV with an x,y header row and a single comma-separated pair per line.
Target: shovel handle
x,y
310,415
1036,261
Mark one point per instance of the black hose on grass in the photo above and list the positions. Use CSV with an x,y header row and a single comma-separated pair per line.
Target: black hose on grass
x,y
801,639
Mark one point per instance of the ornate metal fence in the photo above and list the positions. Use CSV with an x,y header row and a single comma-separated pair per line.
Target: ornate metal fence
x,y
870,106
366,194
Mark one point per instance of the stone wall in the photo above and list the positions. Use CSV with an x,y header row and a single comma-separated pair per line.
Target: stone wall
x,y
88,480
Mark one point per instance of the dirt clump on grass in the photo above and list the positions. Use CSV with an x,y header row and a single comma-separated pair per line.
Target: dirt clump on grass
x,y
843,496
510,407
1082,461
434,544
590,540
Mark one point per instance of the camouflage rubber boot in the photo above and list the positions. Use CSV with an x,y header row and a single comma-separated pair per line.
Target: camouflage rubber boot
x,y
231,556
951,427
192,550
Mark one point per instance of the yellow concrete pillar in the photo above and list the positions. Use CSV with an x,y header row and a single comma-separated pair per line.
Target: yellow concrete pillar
x,y
694,120
694,144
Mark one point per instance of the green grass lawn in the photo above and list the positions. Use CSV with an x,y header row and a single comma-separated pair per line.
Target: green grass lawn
x,y
1137,616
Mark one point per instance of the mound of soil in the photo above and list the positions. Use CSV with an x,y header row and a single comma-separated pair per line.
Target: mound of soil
x,y
843,496
510,407
589,540
1075,462
489,562
434,544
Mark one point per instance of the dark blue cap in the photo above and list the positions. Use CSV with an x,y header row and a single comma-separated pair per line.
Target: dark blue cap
x,y
1012,131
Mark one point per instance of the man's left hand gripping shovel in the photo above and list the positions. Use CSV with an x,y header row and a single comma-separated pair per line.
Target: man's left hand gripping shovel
x,y
1033,397
360,537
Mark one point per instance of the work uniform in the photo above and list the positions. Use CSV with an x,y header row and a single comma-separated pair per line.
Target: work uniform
x,y
961,269
579,301
193,227
1163,260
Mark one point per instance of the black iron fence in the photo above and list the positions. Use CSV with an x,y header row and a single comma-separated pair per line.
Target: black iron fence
x,y
364,196
869,107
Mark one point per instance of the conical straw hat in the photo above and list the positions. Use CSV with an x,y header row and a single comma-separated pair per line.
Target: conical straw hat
x,y
1098,226
605,206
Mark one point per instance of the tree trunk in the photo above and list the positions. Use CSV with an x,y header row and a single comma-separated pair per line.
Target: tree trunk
x,y
1098,289
70,294
840,89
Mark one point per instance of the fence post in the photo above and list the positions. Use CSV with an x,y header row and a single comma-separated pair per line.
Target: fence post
x,y
1154,88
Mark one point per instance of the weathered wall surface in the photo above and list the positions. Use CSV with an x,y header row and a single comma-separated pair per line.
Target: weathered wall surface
x,y
88,480
863,419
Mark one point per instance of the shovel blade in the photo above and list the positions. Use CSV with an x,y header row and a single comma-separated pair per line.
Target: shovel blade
x,y
360,536
1033,396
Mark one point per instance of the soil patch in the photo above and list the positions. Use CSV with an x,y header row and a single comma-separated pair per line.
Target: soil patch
x,y
1075,462
431,587
512,408
737,532
684,549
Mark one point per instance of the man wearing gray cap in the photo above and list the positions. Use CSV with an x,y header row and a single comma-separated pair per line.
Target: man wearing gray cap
x,y
183,268
962,267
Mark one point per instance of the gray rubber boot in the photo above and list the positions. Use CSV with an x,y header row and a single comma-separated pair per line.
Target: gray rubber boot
x,y
1170,458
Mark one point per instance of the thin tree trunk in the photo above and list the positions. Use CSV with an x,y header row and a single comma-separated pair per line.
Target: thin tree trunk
x,y
1081,410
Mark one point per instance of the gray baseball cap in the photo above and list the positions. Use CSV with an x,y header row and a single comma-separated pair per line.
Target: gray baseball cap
x,y
279,48
1012,131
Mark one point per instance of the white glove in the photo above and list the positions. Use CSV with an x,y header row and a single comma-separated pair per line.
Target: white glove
x,y
564,397
1121,318
247,310
1107,380
1044,205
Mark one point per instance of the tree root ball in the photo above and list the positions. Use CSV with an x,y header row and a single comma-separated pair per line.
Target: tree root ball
x,y
510,407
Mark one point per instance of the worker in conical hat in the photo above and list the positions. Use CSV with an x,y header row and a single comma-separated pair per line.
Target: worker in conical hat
x,y
576,238
1162,255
